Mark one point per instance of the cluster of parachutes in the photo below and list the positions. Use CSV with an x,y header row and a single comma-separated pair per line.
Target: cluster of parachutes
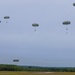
x,y
37,25
64,23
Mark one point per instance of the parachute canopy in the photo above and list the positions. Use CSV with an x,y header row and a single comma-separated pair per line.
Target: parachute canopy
x,y
73,4
35,25
16,60
6,17
66,22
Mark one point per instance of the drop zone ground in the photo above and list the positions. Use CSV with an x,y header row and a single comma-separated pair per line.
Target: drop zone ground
x,y
34,73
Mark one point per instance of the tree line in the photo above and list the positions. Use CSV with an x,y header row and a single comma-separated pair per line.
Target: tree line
x,y
5,67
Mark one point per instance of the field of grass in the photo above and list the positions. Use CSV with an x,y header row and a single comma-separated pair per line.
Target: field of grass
x,y
35,73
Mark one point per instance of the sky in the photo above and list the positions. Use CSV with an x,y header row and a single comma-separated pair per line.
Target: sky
x,y
49,45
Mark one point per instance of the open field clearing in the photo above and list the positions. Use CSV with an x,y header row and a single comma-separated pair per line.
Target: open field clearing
x,y
35,73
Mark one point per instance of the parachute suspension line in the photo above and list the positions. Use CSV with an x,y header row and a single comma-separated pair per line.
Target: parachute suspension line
x,y
35,30
66,30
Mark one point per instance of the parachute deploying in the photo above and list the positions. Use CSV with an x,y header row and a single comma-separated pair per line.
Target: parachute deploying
x,y
35,25
66,23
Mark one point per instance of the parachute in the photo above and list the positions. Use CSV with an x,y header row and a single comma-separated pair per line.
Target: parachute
x,y
66,23
73,4
0,21
6,17
16,60
35,25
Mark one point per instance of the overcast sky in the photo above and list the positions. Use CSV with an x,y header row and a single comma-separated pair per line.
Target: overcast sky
x,y
49,45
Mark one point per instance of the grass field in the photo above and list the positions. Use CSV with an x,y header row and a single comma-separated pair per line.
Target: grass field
x,y
35,73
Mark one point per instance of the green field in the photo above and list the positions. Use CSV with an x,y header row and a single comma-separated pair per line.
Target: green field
x,y
35,73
